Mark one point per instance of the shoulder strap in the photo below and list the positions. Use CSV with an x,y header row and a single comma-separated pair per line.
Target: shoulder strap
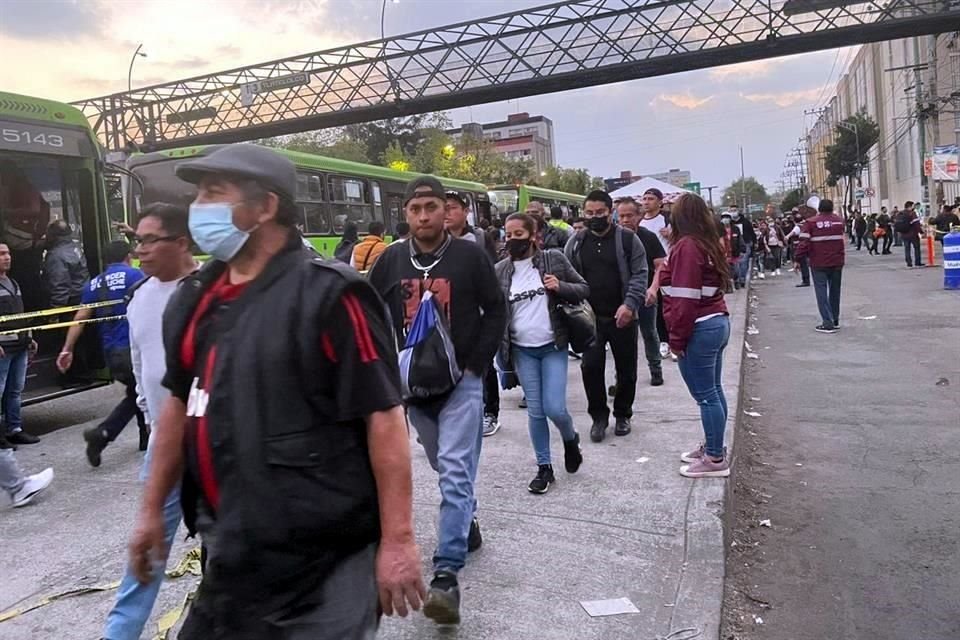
x,y
132,290
627,243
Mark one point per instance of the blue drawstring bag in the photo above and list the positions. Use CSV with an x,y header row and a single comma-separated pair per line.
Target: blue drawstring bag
x,y
428,363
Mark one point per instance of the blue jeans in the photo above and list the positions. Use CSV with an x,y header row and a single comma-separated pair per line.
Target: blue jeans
x,y
451,431
135,601
543,376
826,284
13,376
701,367
743,267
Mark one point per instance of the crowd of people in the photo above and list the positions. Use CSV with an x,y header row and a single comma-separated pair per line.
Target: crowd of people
x,y
274,389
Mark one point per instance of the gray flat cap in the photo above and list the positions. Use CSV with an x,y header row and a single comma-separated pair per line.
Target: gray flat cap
x,y
264,165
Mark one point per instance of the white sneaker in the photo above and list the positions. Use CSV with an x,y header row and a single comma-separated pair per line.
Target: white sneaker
x,y
664,349
32,486
761,276
777,272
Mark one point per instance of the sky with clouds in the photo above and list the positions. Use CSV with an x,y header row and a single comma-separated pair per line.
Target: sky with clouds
x,y
72,49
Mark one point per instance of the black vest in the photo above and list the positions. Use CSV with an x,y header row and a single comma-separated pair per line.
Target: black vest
x,y
297,491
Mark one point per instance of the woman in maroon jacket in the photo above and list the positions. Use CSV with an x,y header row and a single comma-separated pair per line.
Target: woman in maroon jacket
x,y
693,281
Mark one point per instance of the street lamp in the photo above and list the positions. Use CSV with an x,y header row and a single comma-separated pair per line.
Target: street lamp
x,y
133,59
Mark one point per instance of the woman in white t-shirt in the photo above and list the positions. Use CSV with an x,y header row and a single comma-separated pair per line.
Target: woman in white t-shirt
x,y
535,340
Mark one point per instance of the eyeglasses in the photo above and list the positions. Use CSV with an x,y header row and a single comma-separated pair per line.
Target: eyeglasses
x,y
147,241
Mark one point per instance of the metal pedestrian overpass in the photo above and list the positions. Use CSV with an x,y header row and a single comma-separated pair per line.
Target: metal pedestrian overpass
x,y
550,48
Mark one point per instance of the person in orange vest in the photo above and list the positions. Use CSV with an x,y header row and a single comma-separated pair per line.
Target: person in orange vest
x,y
821,241
366,252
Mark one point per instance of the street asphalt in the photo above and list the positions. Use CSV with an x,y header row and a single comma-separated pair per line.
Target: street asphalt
x,y
626,526
853,461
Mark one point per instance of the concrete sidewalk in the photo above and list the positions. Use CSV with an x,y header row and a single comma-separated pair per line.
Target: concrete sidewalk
x,y
626,525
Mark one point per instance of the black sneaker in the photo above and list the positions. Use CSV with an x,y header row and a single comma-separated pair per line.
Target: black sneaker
x,y
656,378
598,431
96,443
443,599
523,402
824,329
474,538
803,284
22,437
544,479
6,444
622,427
572,454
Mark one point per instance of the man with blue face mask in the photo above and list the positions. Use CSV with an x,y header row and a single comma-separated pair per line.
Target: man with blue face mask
x,y
285,423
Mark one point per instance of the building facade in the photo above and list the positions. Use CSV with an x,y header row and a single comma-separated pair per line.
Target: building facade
x,y
911,88
520,137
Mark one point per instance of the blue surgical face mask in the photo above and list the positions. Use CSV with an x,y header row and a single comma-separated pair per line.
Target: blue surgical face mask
x,y
212,228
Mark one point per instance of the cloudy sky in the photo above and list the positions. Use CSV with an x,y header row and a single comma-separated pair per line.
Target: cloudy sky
x,y
72,49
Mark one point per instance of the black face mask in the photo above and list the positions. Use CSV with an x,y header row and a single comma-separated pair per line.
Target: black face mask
x,y
517,247
598,224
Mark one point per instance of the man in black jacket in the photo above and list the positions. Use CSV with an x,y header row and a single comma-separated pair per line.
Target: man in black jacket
x,y
285,412
463,283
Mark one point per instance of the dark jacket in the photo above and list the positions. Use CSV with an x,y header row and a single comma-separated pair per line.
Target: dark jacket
x,y
633,271
297,490
554,238
573,289
65,272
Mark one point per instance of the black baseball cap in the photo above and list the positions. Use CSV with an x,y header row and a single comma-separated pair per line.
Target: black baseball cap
x,y
424,186
653,191
270,169
453,195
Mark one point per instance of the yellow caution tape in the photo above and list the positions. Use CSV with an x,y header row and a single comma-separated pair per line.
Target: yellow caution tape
x,y
190,563
61,325
56,311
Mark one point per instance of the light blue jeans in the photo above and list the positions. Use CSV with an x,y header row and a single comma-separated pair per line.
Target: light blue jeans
x,y
13,376
451,431
11,477
543,376
135,601
701,368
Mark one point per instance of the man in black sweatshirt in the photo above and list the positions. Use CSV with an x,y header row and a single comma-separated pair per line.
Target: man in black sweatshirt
x,y
464,284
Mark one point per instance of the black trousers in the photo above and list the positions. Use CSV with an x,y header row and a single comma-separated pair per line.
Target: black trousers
x,y
491,393
623,344
122,370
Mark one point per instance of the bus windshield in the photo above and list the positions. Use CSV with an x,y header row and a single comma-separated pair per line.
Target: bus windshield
x,y
160,184
506,201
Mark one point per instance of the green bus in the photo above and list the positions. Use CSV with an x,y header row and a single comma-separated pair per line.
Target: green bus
x,y
330,192
511,198
51,167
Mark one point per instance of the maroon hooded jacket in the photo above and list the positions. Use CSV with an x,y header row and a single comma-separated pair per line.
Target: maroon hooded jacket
x,y
821,240
692,288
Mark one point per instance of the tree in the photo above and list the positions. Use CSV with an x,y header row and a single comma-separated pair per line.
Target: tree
x,y
569,180
755,192
407,133
326,142
791,200
849,154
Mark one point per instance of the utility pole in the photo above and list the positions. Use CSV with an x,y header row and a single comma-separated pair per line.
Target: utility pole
x,y
921,125
743,181
932,102
710,193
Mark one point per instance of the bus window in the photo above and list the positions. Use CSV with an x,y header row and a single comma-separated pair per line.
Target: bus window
x,y
315,219
350,202
314,216
506,201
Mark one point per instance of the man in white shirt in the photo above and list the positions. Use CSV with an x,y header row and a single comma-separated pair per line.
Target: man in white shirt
x,y
655,221
162,244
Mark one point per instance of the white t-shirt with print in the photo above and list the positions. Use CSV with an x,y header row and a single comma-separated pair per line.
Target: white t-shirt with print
x,y
529,314
655,225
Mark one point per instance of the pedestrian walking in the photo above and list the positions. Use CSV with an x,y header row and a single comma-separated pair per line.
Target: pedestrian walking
x,y
344,249
113,285
19,487
859,229
16,351
656,221
745,226
366,251
885,228
873,234
461,279
535,340
821,241
614,263
548,236
647,314
732,243
162,244
800,263
286,414
908,227
457,226
694,278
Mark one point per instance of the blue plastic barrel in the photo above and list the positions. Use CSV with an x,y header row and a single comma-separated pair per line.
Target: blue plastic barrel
x,y
951,260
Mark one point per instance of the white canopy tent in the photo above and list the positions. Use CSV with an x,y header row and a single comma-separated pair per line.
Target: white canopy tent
x,y
636,189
